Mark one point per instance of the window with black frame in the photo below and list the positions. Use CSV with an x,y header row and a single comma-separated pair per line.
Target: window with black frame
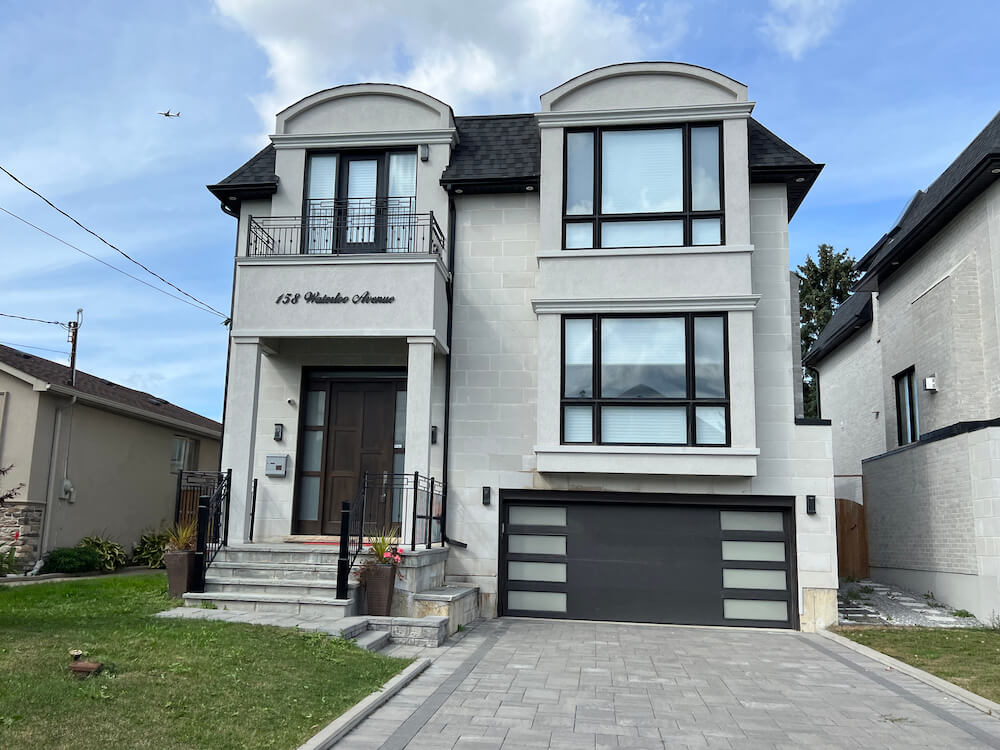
x,y
646,380
643,187
907,423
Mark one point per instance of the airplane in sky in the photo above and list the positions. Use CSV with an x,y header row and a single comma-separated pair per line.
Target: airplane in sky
x,y
168,113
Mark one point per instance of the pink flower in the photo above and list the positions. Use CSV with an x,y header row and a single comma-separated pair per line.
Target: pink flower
x,y
387,554
397,558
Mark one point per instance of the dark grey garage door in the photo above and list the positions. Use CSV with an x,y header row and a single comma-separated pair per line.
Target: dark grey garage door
x,y
685,562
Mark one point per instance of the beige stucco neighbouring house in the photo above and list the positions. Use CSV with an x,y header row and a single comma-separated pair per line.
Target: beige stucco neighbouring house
x,y
100,457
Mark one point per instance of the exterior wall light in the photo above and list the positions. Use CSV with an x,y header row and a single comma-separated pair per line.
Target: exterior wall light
x,y
425,152
811,505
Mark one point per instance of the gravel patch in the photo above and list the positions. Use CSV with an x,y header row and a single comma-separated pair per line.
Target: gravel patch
x,y
871,603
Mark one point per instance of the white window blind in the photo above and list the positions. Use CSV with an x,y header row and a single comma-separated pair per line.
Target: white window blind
x,y
642,171
402,175
578,424
649,425
322,177
705,169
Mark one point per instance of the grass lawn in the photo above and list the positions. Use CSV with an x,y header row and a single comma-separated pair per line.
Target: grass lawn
x,y
968,658
167,683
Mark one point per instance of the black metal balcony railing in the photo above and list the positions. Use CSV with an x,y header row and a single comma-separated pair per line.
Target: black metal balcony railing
x,y
356,225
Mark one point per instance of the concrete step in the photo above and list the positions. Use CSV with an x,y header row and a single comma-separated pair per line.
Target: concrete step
x,y
272,571
216,584
285,604
373,640
279,553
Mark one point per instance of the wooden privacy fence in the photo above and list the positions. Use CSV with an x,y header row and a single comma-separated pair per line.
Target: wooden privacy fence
x,y
191,485
852,539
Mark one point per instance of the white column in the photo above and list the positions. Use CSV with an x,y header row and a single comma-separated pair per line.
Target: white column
x,y
419,380
239,440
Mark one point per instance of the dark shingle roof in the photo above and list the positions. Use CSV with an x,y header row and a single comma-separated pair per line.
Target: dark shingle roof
x,y
91,385
260,168
504,151
768,150
927,213
500,147
849,318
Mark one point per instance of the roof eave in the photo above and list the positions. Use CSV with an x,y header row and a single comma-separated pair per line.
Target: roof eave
x,y
231,195
848,328
483,185
799,179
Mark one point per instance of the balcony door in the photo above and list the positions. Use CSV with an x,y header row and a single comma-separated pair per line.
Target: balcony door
x,y
347,430
361,202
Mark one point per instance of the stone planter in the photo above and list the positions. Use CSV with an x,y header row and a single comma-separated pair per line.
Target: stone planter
x,y
181,571
380,583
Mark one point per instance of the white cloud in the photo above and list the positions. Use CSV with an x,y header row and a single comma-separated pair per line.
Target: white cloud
x,y
794,26
476,56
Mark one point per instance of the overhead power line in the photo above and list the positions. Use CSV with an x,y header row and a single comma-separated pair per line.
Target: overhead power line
x,y
112,246
109,265
39,348
33,320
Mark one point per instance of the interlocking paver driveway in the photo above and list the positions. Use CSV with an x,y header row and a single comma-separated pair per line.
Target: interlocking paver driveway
x,y
546,684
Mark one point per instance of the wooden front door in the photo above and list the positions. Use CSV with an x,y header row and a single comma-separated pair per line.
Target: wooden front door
x,y
352,433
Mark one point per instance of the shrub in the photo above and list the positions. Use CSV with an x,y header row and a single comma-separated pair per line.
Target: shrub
x,y
182,536
111,554
72,560
149,549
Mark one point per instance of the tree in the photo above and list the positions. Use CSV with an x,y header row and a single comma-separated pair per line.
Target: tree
x,y
13,491
826,284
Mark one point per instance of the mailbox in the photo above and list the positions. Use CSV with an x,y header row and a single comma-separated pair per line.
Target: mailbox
x,y
276,466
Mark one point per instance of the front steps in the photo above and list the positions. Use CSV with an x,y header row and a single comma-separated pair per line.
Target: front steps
x,y
282,579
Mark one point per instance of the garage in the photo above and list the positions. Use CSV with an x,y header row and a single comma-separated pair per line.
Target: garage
x,y
679,559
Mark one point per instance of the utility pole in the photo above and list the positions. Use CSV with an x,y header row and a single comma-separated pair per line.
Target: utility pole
x,y
74,328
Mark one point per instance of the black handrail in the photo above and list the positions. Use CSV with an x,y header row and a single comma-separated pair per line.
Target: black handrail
x,y
356,225
378,506
213,525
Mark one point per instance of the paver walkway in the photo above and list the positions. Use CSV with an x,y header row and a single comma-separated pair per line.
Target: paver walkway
x,y
548,684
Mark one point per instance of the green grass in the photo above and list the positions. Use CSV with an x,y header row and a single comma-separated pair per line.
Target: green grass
x,y
167,683
968,658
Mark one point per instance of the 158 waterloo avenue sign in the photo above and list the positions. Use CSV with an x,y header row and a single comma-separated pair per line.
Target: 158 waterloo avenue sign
x,y
318,298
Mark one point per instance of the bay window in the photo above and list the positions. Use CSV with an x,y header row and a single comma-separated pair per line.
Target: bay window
x,y
645,380
643,187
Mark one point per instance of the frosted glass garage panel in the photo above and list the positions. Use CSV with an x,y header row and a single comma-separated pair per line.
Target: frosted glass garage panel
x,y
754,609
751,520
536,544
536,571
540,601
521,515
772,580
754,551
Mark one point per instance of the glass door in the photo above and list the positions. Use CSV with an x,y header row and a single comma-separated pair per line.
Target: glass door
x,y
360,186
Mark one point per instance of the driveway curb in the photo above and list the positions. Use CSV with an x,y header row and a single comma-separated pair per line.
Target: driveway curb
x,y
976,701
336,729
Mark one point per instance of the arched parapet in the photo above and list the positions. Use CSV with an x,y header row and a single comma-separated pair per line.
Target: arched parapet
x,y
645,85
365,108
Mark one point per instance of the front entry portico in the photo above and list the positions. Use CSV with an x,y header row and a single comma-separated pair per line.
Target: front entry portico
x,y
351,426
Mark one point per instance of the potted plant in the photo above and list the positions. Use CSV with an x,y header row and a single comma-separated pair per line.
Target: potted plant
x,y
378,572
180,558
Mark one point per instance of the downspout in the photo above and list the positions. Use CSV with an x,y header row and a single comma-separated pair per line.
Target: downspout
x,y
450,293
50,488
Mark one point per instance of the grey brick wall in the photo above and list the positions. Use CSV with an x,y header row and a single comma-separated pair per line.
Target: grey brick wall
x,y
919,508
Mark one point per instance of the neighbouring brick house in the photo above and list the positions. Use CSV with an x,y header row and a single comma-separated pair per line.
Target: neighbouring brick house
x,y
910,377
96,458
555,348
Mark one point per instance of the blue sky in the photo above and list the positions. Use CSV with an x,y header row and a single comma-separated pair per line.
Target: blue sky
x,y
885,94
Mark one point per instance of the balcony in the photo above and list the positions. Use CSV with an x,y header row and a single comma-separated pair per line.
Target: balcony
x,y
347,227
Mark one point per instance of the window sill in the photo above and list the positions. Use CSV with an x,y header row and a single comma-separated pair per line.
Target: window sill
x,y
631,459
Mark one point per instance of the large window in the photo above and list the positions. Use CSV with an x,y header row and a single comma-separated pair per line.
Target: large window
x,y
907,424
645,380
648,187
361,202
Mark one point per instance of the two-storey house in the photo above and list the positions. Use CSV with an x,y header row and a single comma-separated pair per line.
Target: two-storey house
x,y
910,377
561,343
